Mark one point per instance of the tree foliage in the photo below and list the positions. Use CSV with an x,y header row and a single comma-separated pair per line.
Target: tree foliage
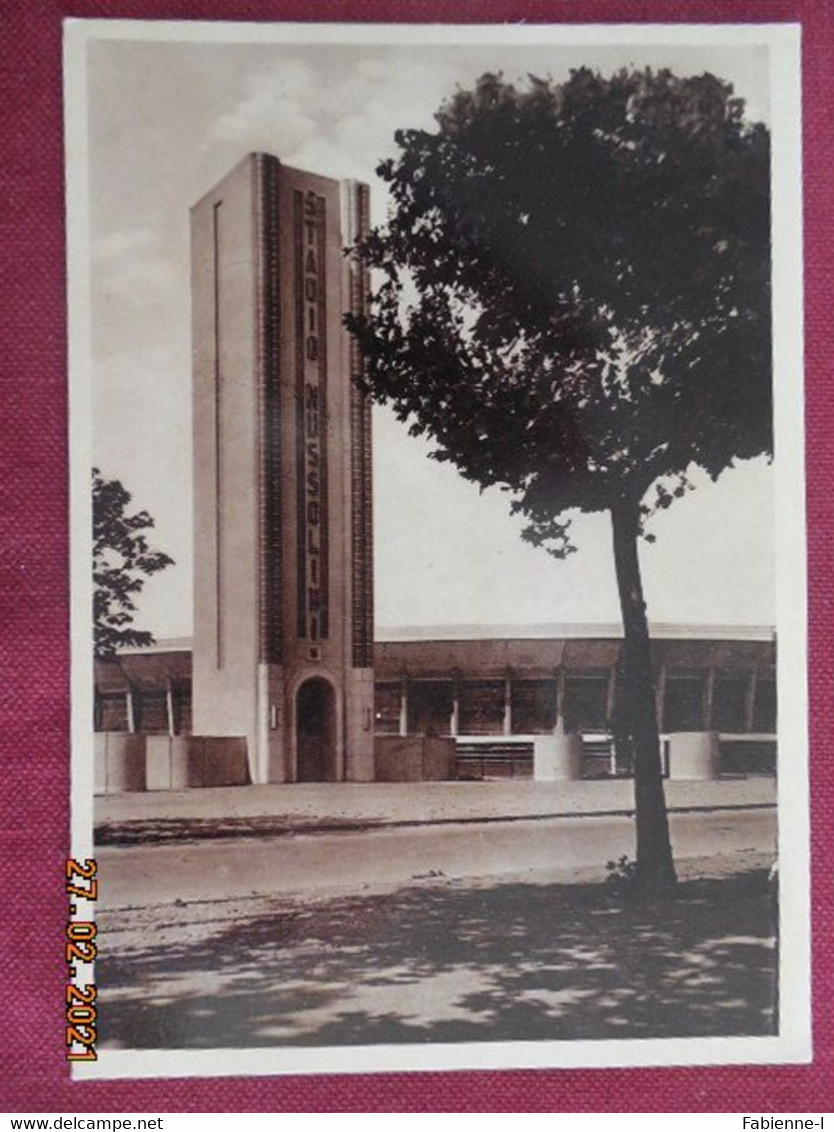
x,y
574,303
122,562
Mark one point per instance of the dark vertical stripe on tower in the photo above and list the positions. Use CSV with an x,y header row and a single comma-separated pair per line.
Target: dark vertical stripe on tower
x,y
301,521
324,418
269,394
362,549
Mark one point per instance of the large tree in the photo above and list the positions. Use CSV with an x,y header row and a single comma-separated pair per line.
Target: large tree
x,y
122,562
574,303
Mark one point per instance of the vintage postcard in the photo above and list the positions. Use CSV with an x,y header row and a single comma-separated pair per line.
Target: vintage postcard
x,y
439,665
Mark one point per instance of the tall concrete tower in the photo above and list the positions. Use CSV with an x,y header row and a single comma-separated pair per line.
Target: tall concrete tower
x,y
283,637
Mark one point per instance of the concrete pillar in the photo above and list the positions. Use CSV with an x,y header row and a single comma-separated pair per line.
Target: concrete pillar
x,y
610,694
557,756
694,754
560,700
404,707
169,707
750,700
709,695
130,711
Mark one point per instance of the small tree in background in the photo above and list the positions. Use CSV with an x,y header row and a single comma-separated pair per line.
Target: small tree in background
x,y
575,304
122,562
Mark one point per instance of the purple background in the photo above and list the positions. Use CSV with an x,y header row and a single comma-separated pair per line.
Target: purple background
x,y
34,665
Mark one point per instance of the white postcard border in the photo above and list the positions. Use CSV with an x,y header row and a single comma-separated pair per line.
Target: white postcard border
x,y
794,1042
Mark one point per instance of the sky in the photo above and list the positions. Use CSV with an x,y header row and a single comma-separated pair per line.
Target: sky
x,y
166,120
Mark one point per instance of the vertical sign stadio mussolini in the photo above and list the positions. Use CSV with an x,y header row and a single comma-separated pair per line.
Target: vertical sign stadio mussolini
x,y
283,617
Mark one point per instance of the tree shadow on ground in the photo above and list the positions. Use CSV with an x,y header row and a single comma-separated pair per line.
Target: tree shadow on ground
x,y
447,963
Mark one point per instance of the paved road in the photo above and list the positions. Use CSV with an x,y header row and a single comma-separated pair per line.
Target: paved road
x,y
216,870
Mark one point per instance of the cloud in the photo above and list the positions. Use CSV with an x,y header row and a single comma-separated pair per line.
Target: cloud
x,y
132,266
274,110
335,113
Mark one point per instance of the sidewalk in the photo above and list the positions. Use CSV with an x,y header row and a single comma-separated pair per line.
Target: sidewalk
x,y
276,809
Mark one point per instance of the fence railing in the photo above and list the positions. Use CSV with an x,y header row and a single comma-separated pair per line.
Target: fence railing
x,y
479,757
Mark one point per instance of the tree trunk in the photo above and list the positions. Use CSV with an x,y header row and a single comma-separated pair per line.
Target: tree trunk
x,y
655,868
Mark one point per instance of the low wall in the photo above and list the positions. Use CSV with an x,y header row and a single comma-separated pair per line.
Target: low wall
x,y
557,757
414,758
119,762
126,763
694,754
747,754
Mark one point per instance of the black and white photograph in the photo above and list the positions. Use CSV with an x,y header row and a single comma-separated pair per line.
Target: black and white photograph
x,y
439,654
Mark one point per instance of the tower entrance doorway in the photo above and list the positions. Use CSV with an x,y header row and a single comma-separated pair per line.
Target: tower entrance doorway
x,y
315,715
